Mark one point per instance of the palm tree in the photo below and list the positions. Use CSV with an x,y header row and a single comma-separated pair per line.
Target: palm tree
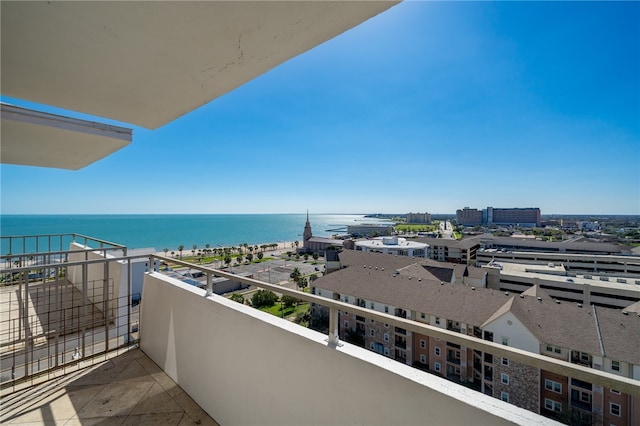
x,y
166,250
193,249
173,254
260,255
180,248
296,275
227,259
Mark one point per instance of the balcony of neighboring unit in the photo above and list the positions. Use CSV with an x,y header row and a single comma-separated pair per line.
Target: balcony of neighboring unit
x,y
581,358
453,357
581,384
222,384
402,331
488,374
401,343
453,326
582,405
360,319
401,313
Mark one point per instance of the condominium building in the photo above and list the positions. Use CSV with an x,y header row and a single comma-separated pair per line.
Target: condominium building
x,y
596,337
419,218
528,216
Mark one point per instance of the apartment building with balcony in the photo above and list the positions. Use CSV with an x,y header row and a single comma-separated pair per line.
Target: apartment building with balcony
x,y
456,251
531,321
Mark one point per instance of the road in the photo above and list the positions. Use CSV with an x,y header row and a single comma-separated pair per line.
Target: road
x,y
446,229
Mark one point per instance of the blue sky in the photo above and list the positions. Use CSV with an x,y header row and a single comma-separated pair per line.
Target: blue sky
x,y
427,107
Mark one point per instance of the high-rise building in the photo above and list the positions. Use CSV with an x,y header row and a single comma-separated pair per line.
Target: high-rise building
x,y
529,216
469,217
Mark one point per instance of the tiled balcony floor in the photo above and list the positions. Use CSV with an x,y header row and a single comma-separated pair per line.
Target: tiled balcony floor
x,y
128,389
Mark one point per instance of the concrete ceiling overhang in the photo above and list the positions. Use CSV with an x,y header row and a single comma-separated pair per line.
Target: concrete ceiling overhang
x,y
34,138
149,62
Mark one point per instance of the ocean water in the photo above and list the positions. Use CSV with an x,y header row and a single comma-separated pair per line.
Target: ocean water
x,y
171,231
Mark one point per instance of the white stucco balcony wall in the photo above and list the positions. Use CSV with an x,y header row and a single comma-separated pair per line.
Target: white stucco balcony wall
x,y
244,366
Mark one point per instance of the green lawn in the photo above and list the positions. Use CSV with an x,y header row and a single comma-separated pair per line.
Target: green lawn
x,y
415,228
292,311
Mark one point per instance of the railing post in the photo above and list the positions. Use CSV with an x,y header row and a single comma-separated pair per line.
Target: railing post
x,y
334,325
209,292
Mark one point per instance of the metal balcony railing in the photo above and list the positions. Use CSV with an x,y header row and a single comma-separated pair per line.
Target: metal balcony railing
x,y
58,312
597,377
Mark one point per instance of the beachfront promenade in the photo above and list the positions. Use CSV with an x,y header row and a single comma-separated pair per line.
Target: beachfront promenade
x,y
280,247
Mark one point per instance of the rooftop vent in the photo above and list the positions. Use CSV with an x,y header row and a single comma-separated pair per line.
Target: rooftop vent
x,y
506,293
539,299
383,269
441,282
521,296
625,312
419,279
364,266
473,288
557,301
579,305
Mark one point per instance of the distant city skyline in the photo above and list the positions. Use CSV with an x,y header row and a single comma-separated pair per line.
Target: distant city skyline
x,y
427,107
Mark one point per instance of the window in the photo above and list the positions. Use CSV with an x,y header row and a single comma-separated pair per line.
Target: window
x,y
617,392
422,316
423,344
504,378
386,337
554,349
423,358
386,309
553,386
614,409
505,361
615,365
437,320
346,324
504,396
386,325
386,351
372,346
505,341
552,405
436,351
373,305
436,366
372,332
